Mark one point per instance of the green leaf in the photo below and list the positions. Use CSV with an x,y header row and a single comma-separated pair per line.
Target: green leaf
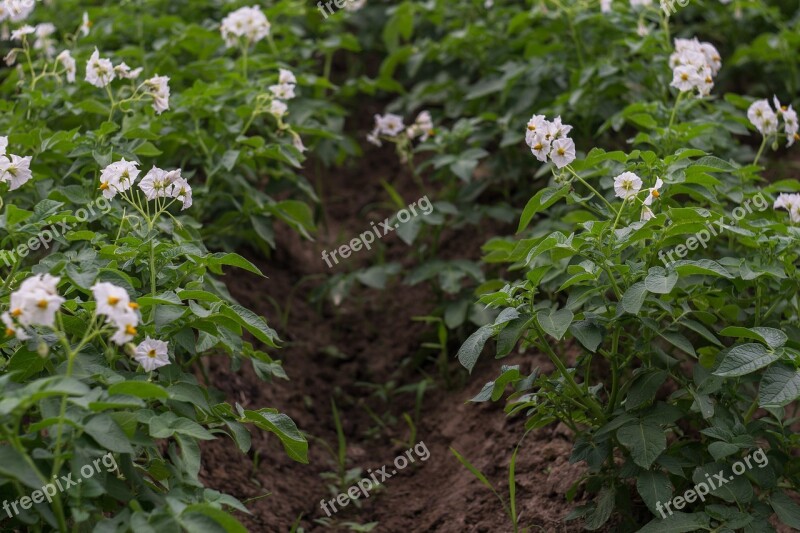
x,y
744,359
475,472
787,510
471,349
677,523
108,434
252,322
14,466
774,338
555,323
589,334
780,386
653,487
140,389
634,297
226,520
604,505
658,282
644,388
294,443
645,442
540,201
231,259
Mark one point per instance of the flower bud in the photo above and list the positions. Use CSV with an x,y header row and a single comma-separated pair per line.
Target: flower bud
x,y
42,349
130,349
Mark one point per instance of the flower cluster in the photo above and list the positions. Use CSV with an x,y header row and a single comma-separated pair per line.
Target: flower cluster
x,y
694,65
115,304
14,170
34,304
790,202
765,119
100,72
549,139
16,10
284,90
390,126
248,23
120,176
627,186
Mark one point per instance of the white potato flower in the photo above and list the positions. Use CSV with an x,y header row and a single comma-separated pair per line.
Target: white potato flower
x,y
86,24
562,153
763,117
181,190
43,41
16,171
389,124
654,192
123,71
118,177
627,185
286,76
111,300
277,108
789,116
22,31
35,303
790,202
540,147
99,71
422,127
3,144
68,62
155,184
18,10
126,327
248,23
151,354
283,91
694,65
158,87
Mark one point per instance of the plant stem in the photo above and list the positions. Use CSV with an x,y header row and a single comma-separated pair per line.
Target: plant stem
x,y
591,403
608,204
760,150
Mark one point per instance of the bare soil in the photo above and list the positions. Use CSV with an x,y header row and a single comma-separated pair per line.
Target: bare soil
x,y
331,352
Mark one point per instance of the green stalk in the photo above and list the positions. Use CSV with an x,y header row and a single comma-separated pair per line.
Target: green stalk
x,y
591,404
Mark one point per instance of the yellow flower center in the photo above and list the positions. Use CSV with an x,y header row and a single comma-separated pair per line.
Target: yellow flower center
x,y
561,151
10,332
42,304
684,76
531,127
104,186
538,146
16,312
130,330
151,353
113,300
133,305
655,193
